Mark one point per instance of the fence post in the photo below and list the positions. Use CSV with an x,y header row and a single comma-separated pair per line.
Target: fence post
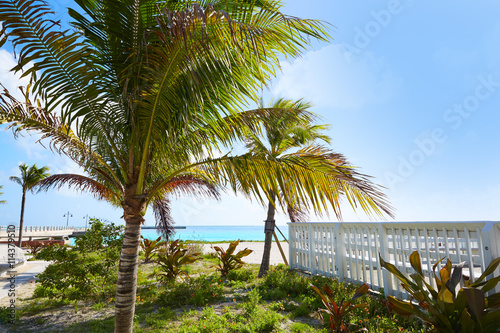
x,y
311,253
384,253
291,246
491,243
340,254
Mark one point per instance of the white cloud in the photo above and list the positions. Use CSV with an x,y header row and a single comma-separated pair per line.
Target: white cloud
x,y
8,79
327,79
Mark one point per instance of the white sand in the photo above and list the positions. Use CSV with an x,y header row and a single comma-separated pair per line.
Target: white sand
x,y
258,249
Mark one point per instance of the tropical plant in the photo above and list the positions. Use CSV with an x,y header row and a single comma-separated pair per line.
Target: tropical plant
x,y
36,246
228,261
88,271
171,260
150,247
144,95
30,176
99,237
292,135
338,313
1,201
445,309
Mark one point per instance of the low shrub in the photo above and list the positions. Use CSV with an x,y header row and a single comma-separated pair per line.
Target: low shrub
x,y
88,271
240,275
197,291
281,281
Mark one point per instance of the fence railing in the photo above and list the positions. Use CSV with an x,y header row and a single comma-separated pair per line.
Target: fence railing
x,y
4,228
350,251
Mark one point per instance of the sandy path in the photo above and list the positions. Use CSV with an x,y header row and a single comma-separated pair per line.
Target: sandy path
x,y
258,249
24,281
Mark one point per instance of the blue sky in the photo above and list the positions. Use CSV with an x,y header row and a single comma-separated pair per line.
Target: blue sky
x,y
411,90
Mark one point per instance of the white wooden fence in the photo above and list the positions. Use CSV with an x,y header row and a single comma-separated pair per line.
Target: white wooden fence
x,y
4,228
349,251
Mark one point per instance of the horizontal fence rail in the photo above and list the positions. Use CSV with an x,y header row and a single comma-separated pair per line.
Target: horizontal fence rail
x,y
349,251
4,229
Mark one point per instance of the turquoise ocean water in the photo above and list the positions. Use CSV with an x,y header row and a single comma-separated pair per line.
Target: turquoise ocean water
x,y
219,233
216,233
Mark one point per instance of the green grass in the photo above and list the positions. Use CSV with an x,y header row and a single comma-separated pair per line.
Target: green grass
x,y
282,301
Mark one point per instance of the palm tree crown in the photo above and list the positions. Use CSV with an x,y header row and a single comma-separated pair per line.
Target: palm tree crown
x,y
295,129
30,177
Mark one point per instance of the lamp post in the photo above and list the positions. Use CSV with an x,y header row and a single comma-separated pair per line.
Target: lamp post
x,y
86,217
67,215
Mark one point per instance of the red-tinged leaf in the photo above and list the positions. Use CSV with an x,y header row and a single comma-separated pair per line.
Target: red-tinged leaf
x,y
493,301
400,307
232,247
243,253
415,263
316,289
491,321
436,264
362,290
475,300
444,273
490,284
467,322
455,277
489,270
328,291
445,295
391,268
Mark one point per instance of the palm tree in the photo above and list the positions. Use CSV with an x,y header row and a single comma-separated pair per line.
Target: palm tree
x,y
145,94
30,176
295,130
1,201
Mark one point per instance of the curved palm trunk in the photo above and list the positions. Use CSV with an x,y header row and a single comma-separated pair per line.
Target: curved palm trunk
x,y
269,230
21,220
126,285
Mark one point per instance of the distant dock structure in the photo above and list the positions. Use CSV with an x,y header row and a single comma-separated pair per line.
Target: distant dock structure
x,y
151,227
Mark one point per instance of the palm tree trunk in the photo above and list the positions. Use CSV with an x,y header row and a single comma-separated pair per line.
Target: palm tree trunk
x,y
21,220
126,285
269,230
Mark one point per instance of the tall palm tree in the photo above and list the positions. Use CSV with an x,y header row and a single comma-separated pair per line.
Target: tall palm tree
x,y
1,201
145,94
30,176
294,134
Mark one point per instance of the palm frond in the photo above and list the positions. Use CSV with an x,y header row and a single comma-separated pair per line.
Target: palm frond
x,y
68,72
16,180
2,201
26,117
82,184
163,217
297,214
314,183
